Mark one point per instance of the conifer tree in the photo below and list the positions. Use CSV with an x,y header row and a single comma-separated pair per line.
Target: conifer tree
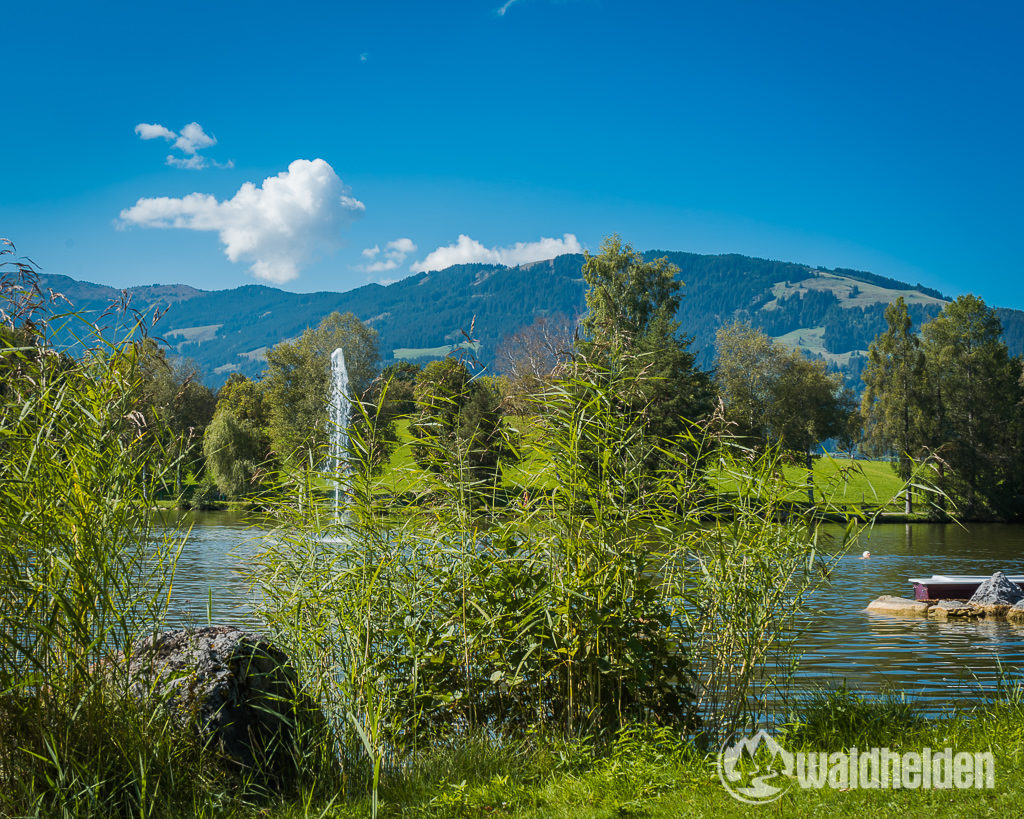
x,y
895,393
975,411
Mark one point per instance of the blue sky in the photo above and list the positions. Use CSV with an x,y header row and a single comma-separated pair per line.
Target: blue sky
x,y
878,136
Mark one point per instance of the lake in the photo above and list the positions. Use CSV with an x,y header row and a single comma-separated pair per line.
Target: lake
x,y
941,663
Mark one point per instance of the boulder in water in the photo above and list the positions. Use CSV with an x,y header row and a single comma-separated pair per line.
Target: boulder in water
x,y
997,594
1016,613
954,608
898,607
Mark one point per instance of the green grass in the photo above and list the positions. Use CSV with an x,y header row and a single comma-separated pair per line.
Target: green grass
x,y
648,773
851,482
848,482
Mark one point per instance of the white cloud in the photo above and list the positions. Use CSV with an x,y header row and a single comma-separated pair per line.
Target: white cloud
x,y
154,131
190,142
193,138
194,163
278,227
468,251
504,8
393,255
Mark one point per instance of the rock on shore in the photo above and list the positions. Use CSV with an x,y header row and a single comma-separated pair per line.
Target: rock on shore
x,y
235,687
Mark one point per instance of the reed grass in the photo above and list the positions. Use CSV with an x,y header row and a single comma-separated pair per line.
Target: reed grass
x,y
82,574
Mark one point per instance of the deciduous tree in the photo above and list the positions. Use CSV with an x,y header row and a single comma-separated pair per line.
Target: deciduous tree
x,y
631,322
778,396
177,406
297,382
234,452
529,359
458,424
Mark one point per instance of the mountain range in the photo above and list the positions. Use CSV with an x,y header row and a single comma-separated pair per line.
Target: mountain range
x,y
832,314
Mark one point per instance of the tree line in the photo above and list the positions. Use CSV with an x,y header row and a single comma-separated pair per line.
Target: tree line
x,y
950,397
946,400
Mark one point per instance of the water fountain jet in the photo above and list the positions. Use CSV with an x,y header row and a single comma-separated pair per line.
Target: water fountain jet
x,y
340,407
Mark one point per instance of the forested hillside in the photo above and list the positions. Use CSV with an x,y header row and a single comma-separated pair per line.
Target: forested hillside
x,y
829,313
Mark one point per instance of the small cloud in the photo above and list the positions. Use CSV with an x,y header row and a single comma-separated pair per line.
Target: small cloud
x,y
153,131
501,11
392,256
193,163
278,227
189,142
193,138
470,251
364,57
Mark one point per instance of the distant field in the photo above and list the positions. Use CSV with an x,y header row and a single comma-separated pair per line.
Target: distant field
x,y
195,334
845,481
812,339
411,353
850,292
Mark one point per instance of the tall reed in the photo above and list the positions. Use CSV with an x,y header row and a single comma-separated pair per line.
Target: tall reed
x,y
82,572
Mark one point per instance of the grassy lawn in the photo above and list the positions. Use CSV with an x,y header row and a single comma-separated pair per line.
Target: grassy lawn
x,y
850,482
845,481
657,777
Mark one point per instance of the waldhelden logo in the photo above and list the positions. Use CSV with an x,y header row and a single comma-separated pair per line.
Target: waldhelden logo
x,y
752,777
758,770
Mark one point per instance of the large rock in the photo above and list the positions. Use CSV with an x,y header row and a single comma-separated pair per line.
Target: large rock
x,y
996,595
234,687
945,609
1016,613
898,607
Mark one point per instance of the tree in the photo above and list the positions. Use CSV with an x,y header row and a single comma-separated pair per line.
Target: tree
x,y
626,294
400,378
176,404
530,357
811,404
778,396
893,404
245,399
239,444
748,363
297,382
458,425
631,323
234,452
974,417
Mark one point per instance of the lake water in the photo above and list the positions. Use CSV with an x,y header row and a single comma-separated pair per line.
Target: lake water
x,y
942,663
